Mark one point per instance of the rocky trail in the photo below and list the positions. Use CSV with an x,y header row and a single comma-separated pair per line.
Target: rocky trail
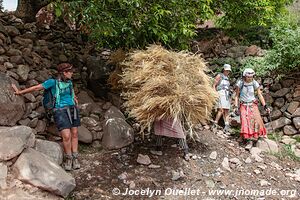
x,y
217,164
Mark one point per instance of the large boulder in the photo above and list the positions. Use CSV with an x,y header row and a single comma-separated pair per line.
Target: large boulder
x,y
296,122
281,93
279,123
14,140
12,106
84,135
37,169
267,145
117,132
51,149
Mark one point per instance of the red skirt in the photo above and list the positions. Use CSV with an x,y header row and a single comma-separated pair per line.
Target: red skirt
x,y
252,125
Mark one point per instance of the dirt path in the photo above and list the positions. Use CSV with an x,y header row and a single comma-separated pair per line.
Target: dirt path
x,y
175,178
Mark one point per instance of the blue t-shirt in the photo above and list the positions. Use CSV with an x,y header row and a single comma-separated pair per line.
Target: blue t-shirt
x,y
66,92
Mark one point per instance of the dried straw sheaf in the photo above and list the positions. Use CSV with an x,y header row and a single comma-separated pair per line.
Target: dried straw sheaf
x,y
163,84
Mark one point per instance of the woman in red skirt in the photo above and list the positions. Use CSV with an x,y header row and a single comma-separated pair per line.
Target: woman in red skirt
x,y
252,126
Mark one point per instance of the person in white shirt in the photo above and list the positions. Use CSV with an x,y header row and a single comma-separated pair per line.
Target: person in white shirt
x,y
222,84
252,126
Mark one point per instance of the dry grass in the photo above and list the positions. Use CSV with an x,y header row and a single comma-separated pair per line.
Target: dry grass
x,y
164,84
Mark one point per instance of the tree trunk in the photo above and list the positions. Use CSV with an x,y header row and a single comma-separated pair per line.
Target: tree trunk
x,y
27,9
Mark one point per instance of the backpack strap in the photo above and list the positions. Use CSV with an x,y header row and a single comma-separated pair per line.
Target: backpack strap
x,y
223,77
243,85
57,92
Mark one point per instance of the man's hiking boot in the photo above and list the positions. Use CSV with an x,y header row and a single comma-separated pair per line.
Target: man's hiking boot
x,y
68,163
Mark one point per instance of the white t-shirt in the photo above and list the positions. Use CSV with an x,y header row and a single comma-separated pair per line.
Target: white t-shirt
x,y
247,90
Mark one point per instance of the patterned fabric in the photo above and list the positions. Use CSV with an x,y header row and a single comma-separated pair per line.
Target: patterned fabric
x,y
252,125
166,127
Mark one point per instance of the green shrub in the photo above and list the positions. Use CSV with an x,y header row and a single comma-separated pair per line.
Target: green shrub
x,y
284,54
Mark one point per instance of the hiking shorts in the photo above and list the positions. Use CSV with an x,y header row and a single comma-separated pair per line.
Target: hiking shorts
x,y
66,118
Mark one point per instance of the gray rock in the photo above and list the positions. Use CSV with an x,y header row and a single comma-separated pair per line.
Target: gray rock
x,y
24,122
12,31
264,183
279,123
8,65
255,151
113,112
287,115
177,175
117,133
52,149
41,126
267,145
297,93
235,161
16,60
288,141
12,106
30,97
293,106
33,123
248,160
157,153
210,183
276,114
275,87
281,93
213,155
89,122
14,140
84,135
152,166
296,122
279,102
296,113
35,168
85,109
123,176
3,175
289,130
143,159
225,164
286,83
97,135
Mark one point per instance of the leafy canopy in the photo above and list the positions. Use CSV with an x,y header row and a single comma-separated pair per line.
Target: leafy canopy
x,y
284,54
137,23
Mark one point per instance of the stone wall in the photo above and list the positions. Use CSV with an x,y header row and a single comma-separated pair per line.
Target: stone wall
x,y
29,55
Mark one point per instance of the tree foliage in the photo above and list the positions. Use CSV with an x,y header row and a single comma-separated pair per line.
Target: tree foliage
x,y
284,54
242,14
136,23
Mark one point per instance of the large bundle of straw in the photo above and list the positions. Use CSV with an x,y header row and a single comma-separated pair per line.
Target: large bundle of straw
x,y
163,84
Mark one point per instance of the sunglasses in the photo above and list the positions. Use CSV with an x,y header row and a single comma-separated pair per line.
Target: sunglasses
x,y
71,71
